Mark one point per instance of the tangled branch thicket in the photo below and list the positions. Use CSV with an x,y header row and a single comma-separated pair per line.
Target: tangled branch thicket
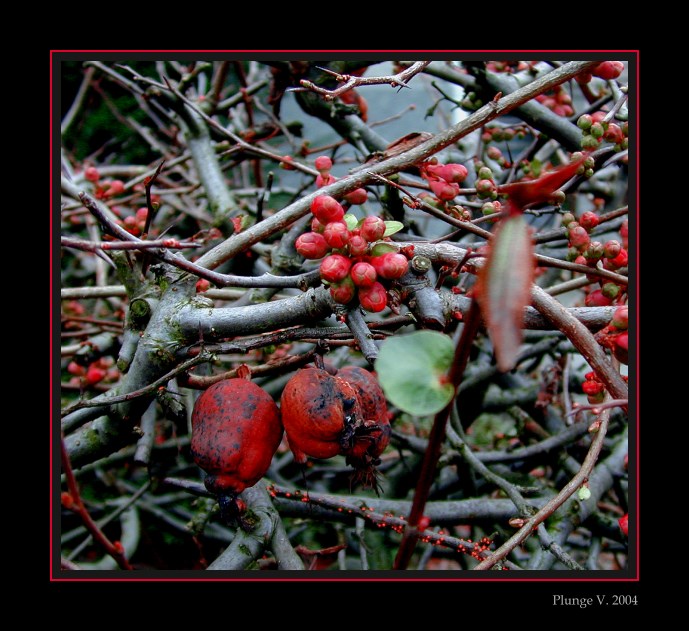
x,y
185,187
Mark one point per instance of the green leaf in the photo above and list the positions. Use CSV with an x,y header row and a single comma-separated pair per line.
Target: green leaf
x,y
383,248
391,227
351,221
411,370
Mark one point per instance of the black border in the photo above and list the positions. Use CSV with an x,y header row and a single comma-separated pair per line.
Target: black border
x,y
581,582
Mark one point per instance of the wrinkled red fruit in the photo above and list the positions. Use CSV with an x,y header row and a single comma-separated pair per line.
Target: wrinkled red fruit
x,y
314,407
326,415
312,245
236,430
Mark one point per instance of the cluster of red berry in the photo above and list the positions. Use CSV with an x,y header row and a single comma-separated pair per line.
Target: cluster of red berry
x,y
583,251
615,336
105,189
100,370
495,133
354,267
606,70
557,101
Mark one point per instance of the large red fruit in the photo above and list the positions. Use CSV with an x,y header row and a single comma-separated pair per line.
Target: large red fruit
x,y
236,430
326,415
314,408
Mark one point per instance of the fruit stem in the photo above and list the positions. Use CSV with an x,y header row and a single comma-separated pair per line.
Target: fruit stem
x,y
472,322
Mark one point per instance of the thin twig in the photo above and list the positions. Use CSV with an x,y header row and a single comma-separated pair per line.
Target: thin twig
x,y
78,507
552,505
398,80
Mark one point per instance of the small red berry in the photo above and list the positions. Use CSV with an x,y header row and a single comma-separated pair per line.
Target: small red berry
x,y
327,209
344,291
94,374
621,348
611,249
336,234
317,226
357,196
202,284
624,524
373,298
312,245
597,299
75,369
92,174
620,318
335,268
589,220
608,70
363,274
390,265
116,188
579,237
443,190
372,229
358,246
323,164
485,188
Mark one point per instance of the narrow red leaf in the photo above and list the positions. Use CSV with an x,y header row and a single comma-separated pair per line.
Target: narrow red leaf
x,y
539,190
504,286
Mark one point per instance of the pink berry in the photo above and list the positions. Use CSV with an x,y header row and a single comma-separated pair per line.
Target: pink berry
x,y
357,196
579,237
75,369
324,180
373,298
363,274
202,284
317,226
620,319
94,374
327,209
589,221
323,164
621,348
608,70
344,291
611,249
142,213
597,299
484,188
92,174
336,234
372,229
335,268
358,246
312,245
390,265
116,188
